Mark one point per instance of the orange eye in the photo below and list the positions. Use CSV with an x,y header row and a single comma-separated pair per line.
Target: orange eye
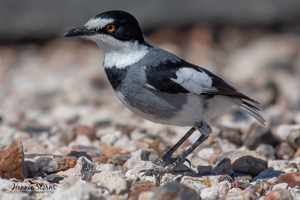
x,y
110,28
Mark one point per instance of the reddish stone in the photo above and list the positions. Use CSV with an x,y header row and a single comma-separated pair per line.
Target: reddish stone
x,y
281,194
292,179
81,130
11,161
138,187
108,150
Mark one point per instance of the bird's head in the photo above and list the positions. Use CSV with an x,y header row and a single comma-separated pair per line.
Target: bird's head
x,y
111,29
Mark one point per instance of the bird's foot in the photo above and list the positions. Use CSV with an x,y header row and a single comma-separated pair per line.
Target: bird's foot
x,y
162,167
157,170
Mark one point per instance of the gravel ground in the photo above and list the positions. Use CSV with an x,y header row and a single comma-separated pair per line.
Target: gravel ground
x,y
64,133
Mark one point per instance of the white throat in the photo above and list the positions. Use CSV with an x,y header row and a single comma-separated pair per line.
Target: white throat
x,y
118,53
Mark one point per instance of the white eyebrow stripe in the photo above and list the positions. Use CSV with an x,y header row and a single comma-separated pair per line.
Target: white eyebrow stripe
x,y
98,23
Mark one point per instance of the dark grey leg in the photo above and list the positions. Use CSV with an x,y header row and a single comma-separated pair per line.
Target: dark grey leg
x,y
166,159
205,131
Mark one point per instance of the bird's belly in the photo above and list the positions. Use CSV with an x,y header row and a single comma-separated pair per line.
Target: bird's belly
x,y
164,108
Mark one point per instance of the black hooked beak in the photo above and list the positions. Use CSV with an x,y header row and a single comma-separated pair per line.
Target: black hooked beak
x,y
81,31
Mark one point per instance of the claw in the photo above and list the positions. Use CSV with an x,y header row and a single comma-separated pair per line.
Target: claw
x,y
188,161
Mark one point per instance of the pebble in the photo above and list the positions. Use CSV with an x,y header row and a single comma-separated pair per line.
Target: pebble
x,y
281,194
256,135
249,162
295,192
139,187
291,179
79,190
284,186
232,135
209,194
223,188
199,183
289,133
141,155
11,161
51,163
223,167
136,172
208,154
267,150
175,190
234,194
80,129
6,185
114,181
53,178
284,151
15,196
84,169
268,173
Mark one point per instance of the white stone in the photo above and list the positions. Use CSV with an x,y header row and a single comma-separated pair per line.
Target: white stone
x,y
209,194
284,186
114,181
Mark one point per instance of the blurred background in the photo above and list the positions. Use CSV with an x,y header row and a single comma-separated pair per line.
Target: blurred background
x,y
47,81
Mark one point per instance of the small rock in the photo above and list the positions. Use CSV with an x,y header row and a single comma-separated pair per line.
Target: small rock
x,y
223,188
15,196
208,154
292,179
234,194
243,178
249,162
109,150
78,154
284,186
141,155
289,133
295,192
268,173
253,193
80,190
233,135
297,153
145,196
284,151
6,185
107,167
281,194
223,167
64,113
12,161
267,150
53,178
84,169
86,151
136,172
199,162
139,187
199,183
256,135
114,181
278,164
51,163
81,130
209,194
174,190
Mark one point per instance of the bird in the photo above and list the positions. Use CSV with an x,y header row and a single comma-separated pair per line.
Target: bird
x,y
159,86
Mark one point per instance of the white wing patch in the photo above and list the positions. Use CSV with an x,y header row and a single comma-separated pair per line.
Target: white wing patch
x,y
193,80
